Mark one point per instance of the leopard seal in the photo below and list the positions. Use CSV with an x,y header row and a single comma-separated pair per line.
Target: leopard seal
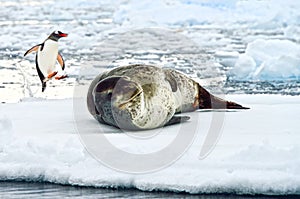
x,y
139,97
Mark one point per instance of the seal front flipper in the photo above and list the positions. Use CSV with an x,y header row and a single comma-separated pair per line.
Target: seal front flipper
x,y
177,120
172,81
33,49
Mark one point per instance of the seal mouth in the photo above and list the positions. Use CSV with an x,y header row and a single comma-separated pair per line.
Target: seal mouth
x,y
137,93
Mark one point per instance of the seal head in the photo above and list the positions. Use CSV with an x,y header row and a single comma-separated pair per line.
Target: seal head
x,y
117,101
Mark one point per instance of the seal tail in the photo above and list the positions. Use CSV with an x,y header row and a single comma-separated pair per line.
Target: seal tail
x,y
209,101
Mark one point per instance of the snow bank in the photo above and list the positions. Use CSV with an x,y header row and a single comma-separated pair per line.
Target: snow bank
x,y
260,155
257,14
268,60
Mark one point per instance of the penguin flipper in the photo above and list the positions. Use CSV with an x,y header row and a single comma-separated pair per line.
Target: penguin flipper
x,y
33,49
177,120
61,61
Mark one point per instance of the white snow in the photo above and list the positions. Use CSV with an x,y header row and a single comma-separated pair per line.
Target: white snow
x,y
268,60
257,14
258,152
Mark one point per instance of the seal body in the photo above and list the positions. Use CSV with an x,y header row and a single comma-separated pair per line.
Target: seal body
x,y
139,97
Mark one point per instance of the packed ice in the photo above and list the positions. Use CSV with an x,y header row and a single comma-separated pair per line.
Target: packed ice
x,y
248,41
268,60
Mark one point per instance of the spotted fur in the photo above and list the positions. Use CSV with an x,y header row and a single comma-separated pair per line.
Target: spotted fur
x,y
145,97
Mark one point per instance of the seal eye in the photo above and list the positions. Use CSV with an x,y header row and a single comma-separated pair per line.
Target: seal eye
x,y
109,95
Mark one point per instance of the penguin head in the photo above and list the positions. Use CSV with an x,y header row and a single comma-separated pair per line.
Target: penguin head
x,y
56,35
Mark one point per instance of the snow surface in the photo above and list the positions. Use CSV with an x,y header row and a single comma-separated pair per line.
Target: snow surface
x,y
258,152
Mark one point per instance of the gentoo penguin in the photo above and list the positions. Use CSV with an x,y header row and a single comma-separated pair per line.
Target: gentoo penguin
x,y
138,97
46,56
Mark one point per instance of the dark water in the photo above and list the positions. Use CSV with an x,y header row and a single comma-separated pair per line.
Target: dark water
x,y
10,189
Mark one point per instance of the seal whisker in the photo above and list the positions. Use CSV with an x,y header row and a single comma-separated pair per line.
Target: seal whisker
x,y
132,98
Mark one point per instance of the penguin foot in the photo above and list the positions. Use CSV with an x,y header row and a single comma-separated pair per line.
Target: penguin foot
x,y
52,75
43,86
61,77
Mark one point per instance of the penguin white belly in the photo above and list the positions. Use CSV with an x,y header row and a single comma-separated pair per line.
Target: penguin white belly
x,y
47,57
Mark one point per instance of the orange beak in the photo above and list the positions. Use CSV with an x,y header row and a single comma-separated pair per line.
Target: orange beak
x,y
63,35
